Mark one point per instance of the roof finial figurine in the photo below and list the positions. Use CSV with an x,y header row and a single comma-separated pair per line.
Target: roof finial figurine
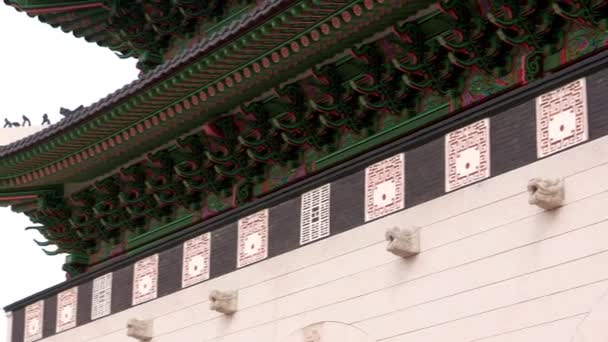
x,y
26,119
7,124
67,112
45,119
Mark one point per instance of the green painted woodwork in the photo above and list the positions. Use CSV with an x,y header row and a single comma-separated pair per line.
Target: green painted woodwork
x,y
409,78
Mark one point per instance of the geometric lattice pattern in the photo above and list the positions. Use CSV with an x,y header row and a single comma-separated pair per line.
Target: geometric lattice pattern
x,y
102,296
561,118
253,238
33,321
385,187
314,218
467,155
145,279
195,266
67,303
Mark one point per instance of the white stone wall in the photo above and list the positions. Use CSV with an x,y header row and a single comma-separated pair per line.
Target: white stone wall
x,y
491,268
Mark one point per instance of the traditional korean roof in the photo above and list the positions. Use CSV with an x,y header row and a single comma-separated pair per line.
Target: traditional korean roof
x,y
307,84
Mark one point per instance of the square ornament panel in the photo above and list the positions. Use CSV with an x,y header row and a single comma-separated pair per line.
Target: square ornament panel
x,y
195,265
467,155
67,304
561,118
385,187
314,218
253,238
33,321
145,280
102,296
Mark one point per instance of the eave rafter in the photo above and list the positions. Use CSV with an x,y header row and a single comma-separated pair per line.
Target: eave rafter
x,y
454,56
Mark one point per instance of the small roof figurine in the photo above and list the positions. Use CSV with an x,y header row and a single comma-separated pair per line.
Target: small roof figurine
x,y
45,119
7,124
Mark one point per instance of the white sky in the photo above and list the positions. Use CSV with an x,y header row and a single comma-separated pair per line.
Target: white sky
x,y
41,70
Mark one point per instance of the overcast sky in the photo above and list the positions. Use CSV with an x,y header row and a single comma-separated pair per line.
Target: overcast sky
x,y
41,70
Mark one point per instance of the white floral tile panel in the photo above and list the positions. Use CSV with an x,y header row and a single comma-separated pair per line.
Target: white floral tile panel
x,y
102,296
67,306
467,155
195,266
561,118
314,218
252,238
385,187
145,279
33,321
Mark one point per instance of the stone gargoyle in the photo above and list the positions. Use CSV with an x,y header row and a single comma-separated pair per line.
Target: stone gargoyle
x,y
223,301
546,193
403,242
139,329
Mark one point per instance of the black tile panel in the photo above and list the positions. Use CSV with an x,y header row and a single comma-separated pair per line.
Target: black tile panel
x,y
85,301
424,173
18,327
170,271
513,138
223,250
284,227
597,104
122,289
50,316
347,196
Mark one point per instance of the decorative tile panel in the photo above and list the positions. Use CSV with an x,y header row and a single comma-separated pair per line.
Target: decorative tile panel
x,y
33,321
253,238
195,266
467,155
314,218
385,187
67,304
102,296
145,279
561,118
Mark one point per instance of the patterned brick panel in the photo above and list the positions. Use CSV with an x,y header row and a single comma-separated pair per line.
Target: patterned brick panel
x,y
281,226
85,301
426,173
343,200
224,251
34,319
195,264
597,88
314,216
385,187
467,155
101,296
561,118
513,135
67,306
170,270
145,279
18,326
50,316
253,238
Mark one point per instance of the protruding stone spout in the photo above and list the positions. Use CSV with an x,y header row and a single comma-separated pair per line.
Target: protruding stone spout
x,y
546,193
140,329
223,301
403,242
